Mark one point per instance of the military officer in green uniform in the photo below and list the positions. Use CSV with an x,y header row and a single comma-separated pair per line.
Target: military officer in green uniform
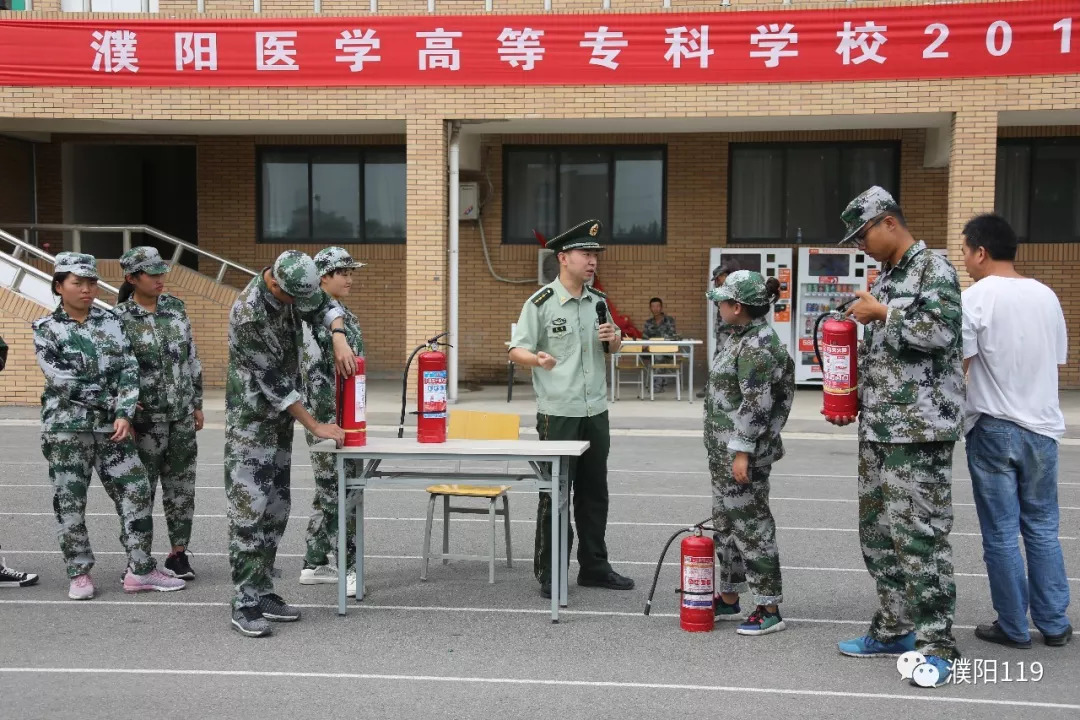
x,y
559,335
911,400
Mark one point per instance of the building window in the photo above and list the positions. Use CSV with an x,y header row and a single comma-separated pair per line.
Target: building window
x,y
795,192
550,189
1037,188
124,6
331,195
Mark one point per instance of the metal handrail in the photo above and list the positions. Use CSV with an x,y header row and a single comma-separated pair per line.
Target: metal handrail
x,y
23,268
125,231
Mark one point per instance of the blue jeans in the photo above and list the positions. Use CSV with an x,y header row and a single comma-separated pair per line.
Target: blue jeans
x,y
1014,477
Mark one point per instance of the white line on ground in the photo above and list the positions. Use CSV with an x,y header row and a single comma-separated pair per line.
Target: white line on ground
x,y
648,563
611,523
537,682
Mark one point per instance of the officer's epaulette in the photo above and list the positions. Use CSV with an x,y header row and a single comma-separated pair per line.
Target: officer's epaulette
x,y
594,291
543,296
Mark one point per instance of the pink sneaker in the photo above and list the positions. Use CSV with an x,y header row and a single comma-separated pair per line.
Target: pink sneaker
x,y
81,588
154,580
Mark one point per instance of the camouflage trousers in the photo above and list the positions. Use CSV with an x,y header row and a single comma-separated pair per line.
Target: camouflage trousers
x,y
258,464
168,451
322,530
905,515
746,532
72,459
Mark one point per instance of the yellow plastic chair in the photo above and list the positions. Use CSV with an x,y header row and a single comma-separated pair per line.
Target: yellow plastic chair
x,y
630,362
468,425
668,366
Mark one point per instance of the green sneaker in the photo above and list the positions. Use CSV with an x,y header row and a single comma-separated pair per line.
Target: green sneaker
x,y
724,612
762,622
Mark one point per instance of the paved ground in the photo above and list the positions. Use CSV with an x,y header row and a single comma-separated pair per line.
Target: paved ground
x,y
456,646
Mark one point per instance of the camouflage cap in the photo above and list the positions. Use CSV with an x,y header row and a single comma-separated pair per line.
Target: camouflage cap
x,y
335,258
742,286
863,209
297,275
79,264
143,259
580,237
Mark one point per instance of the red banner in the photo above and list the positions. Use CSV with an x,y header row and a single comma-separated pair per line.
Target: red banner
x,y
778,45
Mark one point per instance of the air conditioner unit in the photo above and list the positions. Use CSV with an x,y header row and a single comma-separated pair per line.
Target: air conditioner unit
x,y
547,267
468,201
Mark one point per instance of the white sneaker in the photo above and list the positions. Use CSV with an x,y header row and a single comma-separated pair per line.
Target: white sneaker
x,y
350,584
323,574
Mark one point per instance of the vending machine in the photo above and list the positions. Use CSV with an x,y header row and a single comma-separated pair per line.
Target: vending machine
x,y
770,262
828,277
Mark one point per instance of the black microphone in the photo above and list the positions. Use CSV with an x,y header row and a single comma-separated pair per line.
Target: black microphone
x,y
601,315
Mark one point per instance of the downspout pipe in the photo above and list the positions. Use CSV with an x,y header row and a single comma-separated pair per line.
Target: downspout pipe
x,y
454,157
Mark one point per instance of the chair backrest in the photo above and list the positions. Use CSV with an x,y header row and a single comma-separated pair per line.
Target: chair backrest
x,y
472,425
664,348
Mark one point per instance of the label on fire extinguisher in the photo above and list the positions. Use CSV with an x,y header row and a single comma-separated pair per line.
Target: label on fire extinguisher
x,y
360,401
435,393
697,578
836,364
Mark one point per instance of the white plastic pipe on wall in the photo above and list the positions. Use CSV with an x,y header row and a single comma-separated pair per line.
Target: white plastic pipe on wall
x,y
455,171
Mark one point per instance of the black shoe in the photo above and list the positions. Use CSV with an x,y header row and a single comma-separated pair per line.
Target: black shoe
x,y
1058,640
275,609
178,564
610,580
10,577
250,621
545,590
701,393
993,633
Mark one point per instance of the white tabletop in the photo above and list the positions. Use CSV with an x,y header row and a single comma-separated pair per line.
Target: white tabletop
x,y
661,342
503,448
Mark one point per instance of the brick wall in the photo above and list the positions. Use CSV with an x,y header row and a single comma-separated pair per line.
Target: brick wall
x,y
21,381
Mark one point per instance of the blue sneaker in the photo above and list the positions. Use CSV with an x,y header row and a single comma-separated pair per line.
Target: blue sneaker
x,y
924,677
867,646
722,611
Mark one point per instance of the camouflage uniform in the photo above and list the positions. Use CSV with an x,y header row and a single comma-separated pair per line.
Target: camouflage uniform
x,y
663,329
748,398
170,378
3,353
91,380
320,390
911,400
265,341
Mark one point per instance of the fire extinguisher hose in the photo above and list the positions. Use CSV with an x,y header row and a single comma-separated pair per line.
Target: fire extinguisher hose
x,y
659,563
817,325
433,342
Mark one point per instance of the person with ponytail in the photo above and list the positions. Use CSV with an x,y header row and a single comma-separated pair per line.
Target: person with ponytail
x,y
748,398
87,408
169,413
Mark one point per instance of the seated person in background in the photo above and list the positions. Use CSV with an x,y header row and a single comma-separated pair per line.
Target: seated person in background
x,y
660,325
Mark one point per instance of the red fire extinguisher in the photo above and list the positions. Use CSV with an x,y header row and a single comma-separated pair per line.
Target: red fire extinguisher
x,y
431,397
838,355
698,568
352,406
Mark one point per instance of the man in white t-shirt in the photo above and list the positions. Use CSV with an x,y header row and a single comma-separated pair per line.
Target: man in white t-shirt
x,y
1014,340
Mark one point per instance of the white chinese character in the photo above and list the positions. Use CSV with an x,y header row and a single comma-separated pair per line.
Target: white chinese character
x,y
276,50
521,47
695,46
439,50
196,49
115,51
356,46
867,38
606,46
961,671
986,670
774,38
